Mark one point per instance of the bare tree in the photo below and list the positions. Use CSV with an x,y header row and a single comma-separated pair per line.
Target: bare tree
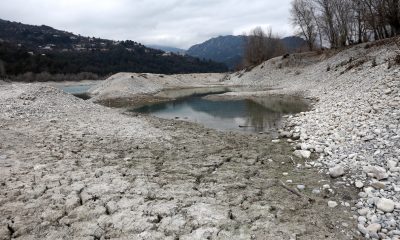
x,y
261,46
391,9
303,16
254,48
345,22
358,27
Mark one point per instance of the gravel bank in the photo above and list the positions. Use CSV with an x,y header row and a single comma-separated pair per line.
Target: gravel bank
x,y
130,85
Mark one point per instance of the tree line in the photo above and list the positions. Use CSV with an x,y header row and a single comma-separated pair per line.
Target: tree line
x,y
261,46
16,63
338,23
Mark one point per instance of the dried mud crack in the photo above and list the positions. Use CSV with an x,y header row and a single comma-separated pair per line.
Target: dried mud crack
x,y
75,170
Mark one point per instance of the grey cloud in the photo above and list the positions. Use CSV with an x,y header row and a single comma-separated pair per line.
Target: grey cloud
x,y
179,23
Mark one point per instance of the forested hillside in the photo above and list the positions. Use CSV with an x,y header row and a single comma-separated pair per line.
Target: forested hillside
x,y
38,49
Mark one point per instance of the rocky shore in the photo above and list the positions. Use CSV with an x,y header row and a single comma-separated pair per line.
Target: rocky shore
x,y
73,169
354,128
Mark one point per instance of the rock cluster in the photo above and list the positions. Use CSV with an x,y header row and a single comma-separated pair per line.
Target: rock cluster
x,y
361,133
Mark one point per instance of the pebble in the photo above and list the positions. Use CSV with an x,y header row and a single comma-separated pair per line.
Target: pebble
x,y
374,227
316,191
359,184
385,205
362,219
332,204
326,186
336,171
363,211
301,187
362,229
378,185
376,172
302,154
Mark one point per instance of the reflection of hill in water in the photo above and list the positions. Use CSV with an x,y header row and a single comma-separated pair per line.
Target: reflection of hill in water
x,y
260,114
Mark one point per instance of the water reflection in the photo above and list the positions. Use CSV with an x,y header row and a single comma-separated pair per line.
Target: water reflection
x,y
256,115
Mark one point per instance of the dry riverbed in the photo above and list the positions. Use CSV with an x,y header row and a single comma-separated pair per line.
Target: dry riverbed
x,y
71,169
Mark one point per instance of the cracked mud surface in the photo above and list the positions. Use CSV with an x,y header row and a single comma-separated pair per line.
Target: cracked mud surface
x,y
74,170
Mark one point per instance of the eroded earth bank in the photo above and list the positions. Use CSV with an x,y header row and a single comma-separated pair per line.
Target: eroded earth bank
x,y
73,169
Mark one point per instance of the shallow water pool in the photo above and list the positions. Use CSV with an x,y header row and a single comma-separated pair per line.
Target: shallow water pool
x,y
246,115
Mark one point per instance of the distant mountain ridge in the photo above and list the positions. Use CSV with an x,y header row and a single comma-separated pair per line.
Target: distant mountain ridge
x,y
28,48
168,49
230,49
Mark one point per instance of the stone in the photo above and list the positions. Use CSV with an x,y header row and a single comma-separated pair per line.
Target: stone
x,y
285,134
319,149
362,194
378,185
362,219
391,164
385,205
362,229
303,136
302,154
98,174
374,227
376,172
301,187
336,171
296,136
363,211
359,184
316,191
332,204
276,141
326,186
388,91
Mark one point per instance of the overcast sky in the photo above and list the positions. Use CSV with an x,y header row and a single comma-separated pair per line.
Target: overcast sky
x,y
177,23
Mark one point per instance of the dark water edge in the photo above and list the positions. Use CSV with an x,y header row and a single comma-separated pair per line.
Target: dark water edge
x,y
84,96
